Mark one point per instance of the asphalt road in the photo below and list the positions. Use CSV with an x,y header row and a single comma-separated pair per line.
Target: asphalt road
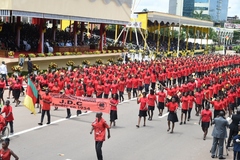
x,y
70,139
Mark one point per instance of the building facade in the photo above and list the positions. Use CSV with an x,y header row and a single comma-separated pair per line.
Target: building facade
x,y
217,9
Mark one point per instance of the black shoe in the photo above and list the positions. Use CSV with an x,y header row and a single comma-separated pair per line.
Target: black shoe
x,y
221,158
180,123
68,116
184,122
48,122
213,156
40,124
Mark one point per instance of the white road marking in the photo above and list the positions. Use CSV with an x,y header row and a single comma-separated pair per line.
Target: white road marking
x,y
54,122
163,115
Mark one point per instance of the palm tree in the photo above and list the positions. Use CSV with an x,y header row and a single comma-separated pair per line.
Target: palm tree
x,y
201,16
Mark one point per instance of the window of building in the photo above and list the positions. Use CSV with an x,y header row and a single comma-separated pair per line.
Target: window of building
x,y
201,8
201,1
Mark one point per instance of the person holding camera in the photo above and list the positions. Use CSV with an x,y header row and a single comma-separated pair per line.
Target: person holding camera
x,y
233,127
219,134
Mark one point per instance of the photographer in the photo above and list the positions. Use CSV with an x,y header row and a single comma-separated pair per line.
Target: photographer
x,y
219,134
233,127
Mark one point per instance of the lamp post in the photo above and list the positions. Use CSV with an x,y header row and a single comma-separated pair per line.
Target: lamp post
x,y
179,28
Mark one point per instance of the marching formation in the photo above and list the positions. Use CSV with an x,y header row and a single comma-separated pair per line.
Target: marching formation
x,y
184,83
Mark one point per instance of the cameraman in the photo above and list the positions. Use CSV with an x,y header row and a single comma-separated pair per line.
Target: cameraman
x,y
219,134
233,127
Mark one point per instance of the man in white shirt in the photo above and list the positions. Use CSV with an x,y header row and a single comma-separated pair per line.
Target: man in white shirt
x,y
3,72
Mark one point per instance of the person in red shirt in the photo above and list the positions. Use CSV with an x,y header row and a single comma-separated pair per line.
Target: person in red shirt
x,y
147,80
121,86
99,89
232,96
46,101
2,87
151,104
8,115
55,89
185,107
153,79
135,85
172,116
143,109
129,85
5,152
17,87
191,101
69,91
90,90
114,88
113,110
198,101
106,89
99,127
205,118
161,101
217,105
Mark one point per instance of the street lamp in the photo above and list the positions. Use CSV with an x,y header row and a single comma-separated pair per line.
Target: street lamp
x,y
179,27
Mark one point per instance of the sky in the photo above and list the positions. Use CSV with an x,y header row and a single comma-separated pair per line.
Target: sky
x,y
162,6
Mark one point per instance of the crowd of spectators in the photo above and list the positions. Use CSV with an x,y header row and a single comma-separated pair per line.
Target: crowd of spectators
x,y
30,36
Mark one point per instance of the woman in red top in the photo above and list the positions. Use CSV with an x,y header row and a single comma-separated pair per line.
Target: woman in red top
x,y
191,101
161,101
172,116
114,88
113,110
153,79
55,89
205,118
217,105
147,80
106,89
47,100
17,87
99,89
185,107
2,87
90,90
151,104
129,85
135,85
121,86
5,152
143,109
198,101
8,115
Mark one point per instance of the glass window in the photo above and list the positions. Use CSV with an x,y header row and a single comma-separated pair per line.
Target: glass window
x,y
201,8
201,1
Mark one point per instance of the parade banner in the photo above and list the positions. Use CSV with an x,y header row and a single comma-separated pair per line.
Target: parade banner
x,y
80,103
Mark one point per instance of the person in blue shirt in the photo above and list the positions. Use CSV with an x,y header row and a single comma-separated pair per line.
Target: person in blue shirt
x,y
236,146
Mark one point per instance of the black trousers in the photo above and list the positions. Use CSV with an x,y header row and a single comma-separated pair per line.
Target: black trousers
x,y
68,112
5,78
232,133
236,155
98,147
105,96
48,116
100,95
11,126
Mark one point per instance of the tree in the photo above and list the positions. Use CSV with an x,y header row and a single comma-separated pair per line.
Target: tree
x,y
145,10
201,16
236,36
213,35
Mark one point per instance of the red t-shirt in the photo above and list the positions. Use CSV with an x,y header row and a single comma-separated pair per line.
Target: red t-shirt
x,y
129,83
100,129
151,100
7,110
135,82
217,105
89,91
115,102
172,106
143,103
206,115
161,96
185,102
45,105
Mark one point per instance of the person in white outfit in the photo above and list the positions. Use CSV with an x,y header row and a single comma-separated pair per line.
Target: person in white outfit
x,y
3,72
